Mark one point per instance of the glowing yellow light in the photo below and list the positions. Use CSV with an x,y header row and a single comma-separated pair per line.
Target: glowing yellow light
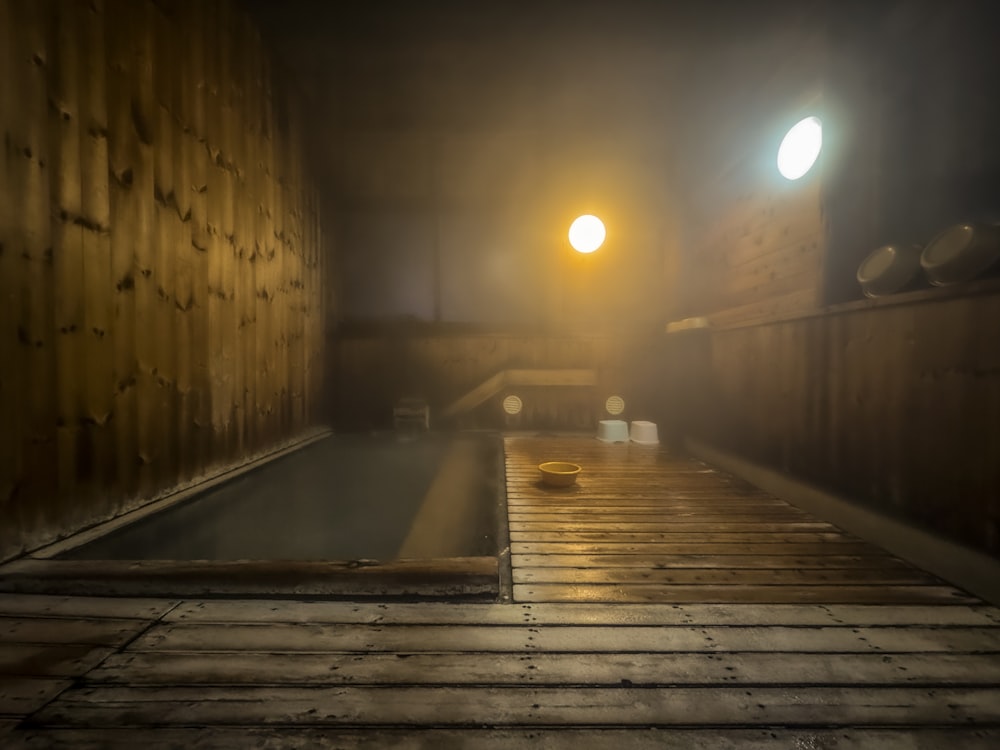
x,y
800,148
512,405
586,234
615,405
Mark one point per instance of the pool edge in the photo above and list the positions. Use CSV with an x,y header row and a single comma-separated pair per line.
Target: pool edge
x,y
447,578
159,504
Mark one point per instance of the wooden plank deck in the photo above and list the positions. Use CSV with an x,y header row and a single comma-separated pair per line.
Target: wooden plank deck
x,y
641,525
255,673
878,655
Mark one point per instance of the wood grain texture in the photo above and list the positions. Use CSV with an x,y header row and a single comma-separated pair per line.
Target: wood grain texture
x,y
444,613
641,525
894,407
26,695
762,246
567,638
375,706
646,669
707,592
591,738
91,630
130,245
220,673
644,576
31,285
10,378
79,606
841,666
48,660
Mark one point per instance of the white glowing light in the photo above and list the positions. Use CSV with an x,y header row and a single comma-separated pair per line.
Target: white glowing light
x,y
586,234
800,148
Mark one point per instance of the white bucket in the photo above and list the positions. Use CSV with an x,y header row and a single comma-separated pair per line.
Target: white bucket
x,y
644,433
612,431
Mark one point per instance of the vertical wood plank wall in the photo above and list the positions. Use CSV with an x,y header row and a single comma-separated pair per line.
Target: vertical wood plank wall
x,y
761,256
160,257
895,407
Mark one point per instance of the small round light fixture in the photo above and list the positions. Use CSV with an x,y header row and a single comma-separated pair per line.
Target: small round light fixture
x,y
615,405
587,233
512,405
800,148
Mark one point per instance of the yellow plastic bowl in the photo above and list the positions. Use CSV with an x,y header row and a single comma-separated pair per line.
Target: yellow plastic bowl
x,y
559,473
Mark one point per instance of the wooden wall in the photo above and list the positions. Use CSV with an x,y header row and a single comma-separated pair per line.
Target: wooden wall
x,y
760,256
376,367
894,406
909,149
895,403
160,257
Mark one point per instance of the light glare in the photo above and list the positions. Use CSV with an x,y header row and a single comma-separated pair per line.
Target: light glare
x,y
800,148
586,234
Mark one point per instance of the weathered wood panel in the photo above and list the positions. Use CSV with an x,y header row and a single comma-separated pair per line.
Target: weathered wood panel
x,y
636,576
10,384
634,706
598,639
641,525
765,246
123,153
69,606
725,559
46,660
895,406
460,577
591,738
31,282
741,592
443,613
132,187
26,695
411,674
93,631
647,669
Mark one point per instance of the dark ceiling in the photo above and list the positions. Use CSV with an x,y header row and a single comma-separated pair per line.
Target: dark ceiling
x,y
509,116
450,65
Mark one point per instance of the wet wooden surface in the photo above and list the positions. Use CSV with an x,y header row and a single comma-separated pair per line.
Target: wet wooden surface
x,y
455,577
642,525
852,649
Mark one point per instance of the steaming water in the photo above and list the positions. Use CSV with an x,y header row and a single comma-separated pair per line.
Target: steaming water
x,y
343,498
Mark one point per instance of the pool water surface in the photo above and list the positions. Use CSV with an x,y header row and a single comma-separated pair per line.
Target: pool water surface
x,y
346,497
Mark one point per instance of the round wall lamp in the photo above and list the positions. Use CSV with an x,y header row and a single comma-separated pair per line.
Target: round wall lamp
x,y
615,405
587,233
512,405
800,148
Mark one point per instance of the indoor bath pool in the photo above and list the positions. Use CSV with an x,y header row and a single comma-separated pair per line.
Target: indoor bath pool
x,y
346,497
350,514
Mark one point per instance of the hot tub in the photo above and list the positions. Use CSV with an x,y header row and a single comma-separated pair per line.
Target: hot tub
x,y
348,515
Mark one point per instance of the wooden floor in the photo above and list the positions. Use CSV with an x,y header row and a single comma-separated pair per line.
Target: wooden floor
x,y
641,525
762,642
